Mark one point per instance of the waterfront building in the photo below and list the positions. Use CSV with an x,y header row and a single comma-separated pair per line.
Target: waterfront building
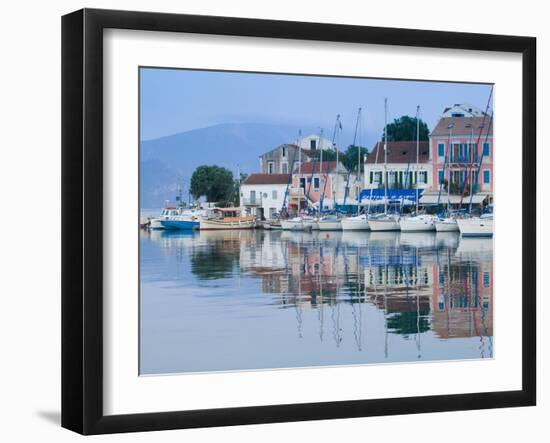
x,y
462,110
263,195
401,171
312,183
283,158
315,142
467,143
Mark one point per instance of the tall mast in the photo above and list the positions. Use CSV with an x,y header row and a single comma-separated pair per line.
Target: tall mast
x,y
320,170
358,157
468,171
299,151
417,151
337,125
449,165
385,156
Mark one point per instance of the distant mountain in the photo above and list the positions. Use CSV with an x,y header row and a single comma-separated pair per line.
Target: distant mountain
x,y
167,159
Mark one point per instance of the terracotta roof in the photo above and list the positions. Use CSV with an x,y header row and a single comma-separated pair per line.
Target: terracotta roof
x,y
400,152
309,167
266,179
463,126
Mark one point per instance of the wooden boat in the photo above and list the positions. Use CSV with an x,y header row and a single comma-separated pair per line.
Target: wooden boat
x,y
227,218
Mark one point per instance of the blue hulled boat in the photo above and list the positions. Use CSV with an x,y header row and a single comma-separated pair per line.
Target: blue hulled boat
x,y
181,224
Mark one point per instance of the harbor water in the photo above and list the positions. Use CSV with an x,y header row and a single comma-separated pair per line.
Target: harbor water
x,y
257,299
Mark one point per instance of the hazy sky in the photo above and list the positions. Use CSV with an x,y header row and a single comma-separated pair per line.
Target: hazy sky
x,y
175,100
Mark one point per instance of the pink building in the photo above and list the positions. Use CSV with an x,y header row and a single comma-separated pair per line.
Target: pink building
x,y
466,142
309,183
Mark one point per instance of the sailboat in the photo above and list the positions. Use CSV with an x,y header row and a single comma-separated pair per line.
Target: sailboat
x,y
360,222
329,223
385,221
476,226
417,223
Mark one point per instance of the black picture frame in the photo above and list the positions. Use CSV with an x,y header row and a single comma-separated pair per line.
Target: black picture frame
x,y
82,215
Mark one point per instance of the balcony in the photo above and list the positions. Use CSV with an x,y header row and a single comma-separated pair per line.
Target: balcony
x,y
250,201
296,192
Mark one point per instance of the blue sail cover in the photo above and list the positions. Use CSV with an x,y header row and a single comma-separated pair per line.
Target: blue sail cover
x,y
407,196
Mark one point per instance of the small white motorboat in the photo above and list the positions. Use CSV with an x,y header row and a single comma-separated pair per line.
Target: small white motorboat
x,y
357,223
418,223
476,226
447,224
384,222
330,223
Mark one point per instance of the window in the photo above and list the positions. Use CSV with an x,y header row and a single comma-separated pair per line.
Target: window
x,y
274,194
316,182
284,168
486,176
485,149
284,151
302,183
270,167
313,144
486,279
441,150
371,175
424,177
441,176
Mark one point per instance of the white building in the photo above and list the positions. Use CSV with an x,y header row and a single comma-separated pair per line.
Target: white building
x,y
313,142
462,110
263,195
401,169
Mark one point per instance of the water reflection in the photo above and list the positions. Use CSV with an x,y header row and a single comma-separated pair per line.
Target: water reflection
x,y
313,298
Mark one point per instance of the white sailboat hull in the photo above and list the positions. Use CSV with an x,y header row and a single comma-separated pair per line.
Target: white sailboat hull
x,y
384,224
330,225
292,225
350,224
220,224
475,227
446,225
417,224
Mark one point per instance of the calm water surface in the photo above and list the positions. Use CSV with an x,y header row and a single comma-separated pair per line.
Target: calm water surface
x,y
233,300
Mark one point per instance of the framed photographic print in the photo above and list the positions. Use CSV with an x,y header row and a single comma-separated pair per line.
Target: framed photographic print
x,y
269,221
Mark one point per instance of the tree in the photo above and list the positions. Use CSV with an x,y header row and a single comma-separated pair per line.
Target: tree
x,y
350,157
213,182
404,129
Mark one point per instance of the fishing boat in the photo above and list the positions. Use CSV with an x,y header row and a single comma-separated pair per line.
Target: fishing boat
x,y
165,214
227,218
330,223
446,224
476,226
298,224
357,223
181,223
418,223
